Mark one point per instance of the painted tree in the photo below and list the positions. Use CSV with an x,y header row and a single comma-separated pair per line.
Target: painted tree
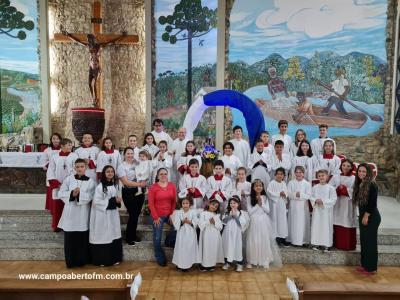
x,y
12,19
188,21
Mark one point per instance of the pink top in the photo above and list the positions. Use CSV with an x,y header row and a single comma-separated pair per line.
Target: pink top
x,y
162,201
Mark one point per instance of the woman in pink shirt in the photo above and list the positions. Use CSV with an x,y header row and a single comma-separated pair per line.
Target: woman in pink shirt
x,y
162,201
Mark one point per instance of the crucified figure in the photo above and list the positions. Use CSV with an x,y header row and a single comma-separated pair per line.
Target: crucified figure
x,y
94,66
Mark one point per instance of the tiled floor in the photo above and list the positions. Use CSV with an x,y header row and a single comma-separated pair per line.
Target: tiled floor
x,y
168,283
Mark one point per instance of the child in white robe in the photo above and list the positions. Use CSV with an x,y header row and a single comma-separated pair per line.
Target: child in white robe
x,y
210,241
241,146
77,192
149,144
259,164
328,160
186,251
323,198
183,163
277,194
231,161
104,226
89,153
305,158
268,147
282,136
299,193
299,136
144,170
132,143
235,223
194,185
261,248
108,156
279,159
219,187
242,188
318,143
162,159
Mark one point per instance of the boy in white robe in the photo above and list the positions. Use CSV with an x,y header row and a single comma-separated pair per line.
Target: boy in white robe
x,y
318,143
89,153
159,133
194,185
186,251
323,199
277,194
259,164
299,193
231,161
242,147
219,187
282,136
77,192
280,159
268,147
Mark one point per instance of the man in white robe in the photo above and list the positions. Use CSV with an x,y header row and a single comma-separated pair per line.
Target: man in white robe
x,y
177,148
159,133
242,147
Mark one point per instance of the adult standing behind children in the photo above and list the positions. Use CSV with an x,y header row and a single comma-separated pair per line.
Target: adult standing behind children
x,y
159,133
365,196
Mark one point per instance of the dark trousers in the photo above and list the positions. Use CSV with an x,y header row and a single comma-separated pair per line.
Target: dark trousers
x,y
338,103
369,241
76,248
134,206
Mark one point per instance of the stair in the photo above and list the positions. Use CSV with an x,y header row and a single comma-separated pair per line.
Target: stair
x,y
26,235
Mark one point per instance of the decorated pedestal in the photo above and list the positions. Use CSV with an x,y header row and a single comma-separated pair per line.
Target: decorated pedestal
x,y
88,120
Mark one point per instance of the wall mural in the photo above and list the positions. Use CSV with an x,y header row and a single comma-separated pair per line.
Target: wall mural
x,y
20,104
186,55
311,62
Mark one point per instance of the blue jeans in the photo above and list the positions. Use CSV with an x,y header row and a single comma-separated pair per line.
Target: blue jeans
x,y
157,235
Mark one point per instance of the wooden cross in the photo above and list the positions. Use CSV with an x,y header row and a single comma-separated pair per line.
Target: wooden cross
x,y
102,40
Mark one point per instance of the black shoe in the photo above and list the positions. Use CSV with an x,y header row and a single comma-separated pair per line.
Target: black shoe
x,y
162,264
137,240
285,244
131,243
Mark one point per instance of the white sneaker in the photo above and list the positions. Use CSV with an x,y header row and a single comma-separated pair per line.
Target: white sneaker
x,y
239,268
315,248
249,266
225,266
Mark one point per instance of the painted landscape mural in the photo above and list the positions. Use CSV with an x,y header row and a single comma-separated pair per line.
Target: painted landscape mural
x,y
20,104
186,55
311,62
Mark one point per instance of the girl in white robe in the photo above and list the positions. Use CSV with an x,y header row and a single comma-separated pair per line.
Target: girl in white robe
x,y
108,156
304,157
219,187
323,198
77,192
149,144
235,223
261,248
242,188
186,251
105,227
162,159
231,161
210,241
132,143
299,193
183,163
194,185
277,194
299,136
328,160
259,164
344,213
89,153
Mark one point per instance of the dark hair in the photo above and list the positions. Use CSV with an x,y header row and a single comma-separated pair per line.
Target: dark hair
x,y
103,180
279,142
259,141
236,128
228,144
159,121
281,122
323,126
161,142
79,161
147,135
193,161
103,147
65,141
57,135
188,198
213,201
300,152
280,169
86,134
219,162
126,150
333,144
233,198
262,132
253,199
194,151
132,135
361,188
158,173
348,161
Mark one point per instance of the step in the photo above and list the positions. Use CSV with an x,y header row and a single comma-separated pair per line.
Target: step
x,y
53,250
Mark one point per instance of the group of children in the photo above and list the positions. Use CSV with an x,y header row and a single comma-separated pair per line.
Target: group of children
x,y
279,193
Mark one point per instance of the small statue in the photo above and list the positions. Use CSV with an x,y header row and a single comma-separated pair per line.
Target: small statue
x,y
94,67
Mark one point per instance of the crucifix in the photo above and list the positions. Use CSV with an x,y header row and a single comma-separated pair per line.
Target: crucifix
x,y
95,42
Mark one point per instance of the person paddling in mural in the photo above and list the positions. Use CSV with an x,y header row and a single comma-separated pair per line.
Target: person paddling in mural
x,y
340,86
94,66
304,107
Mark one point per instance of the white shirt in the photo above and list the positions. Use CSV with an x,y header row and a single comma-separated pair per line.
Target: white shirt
x,y
286,139
127,170
162,136
242,150
339,85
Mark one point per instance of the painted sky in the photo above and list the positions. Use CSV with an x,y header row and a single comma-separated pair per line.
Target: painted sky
x,y
174,57
21,55
262,27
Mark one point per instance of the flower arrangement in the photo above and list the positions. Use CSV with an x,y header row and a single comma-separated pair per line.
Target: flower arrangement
x,y
209,153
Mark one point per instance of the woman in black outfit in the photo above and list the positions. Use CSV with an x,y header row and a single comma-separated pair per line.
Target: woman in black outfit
x,y
365,195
